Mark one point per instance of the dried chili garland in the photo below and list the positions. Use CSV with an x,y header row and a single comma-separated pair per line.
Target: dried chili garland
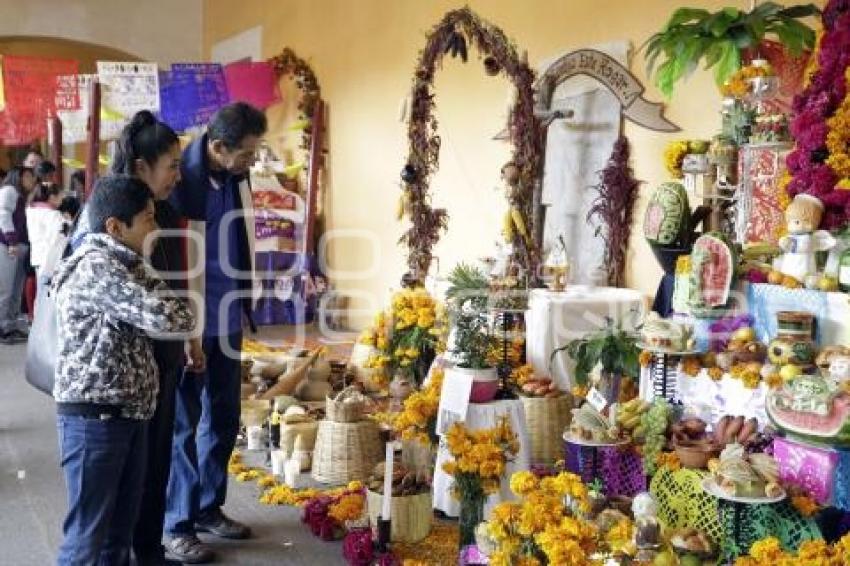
x,y
288,63
458,29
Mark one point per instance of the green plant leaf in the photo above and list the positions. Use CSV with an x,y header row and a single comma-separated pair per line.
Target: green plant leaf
x,y
683,15
765,10
800,11
732,13
742,37
730,61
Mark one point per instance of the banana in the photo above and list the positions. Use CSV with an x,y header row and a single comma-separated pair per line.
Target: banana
x,y
519,222
508,227
632,422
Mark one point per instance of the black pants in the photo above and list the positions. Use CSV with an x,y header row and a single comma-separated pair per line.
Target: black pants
x,y
147,538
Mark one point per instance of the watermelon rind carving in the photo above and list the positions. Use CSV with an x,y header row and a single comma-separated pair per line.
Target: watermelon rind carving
x,y
713,262
667,215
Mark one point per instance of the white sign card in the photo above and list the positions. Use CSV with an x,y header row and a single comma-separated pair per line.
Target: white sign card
x,y
454,400
596,399
129,87
74,122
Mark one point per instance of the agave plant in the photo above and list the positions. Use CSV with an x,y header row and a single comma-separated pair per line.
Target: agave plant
x,y
694,34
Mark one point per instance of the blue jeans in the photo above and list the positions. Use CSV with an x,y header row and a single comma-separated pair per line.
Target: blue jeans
x,y
104,465
205,428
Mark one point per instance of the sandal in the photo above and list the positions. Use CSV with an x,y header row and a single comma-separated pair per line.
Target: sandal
x,y
188,549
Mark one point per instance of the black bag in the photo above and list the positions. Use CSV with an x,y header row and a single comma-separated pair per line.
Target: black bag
x,y
43,345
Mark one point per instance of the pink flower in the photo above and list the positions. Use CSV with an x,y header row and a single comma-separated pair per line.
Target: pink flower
x,y
357,547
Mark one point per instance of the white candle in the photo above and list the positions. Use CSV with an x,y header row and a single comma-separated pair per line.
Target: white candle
x,y
255,435
386,502
278,461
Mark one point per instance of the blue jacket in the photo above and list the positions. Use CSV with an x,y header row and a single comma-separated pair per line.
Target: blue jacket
x,y
189,198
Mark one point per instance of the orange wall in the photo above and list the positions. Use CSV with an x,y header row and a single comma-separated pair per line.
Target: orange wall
x,y
363,53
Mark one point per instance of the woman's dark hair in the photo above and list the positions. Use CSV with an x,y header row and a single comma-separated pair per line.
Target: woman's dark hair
x,y
144,138
15,177
78,177
44,169
234,122
116,196
70,205
43,192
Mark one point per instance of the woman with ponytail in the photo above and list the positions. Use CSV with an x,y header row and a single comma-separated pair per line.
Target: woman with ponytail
x,y
150,150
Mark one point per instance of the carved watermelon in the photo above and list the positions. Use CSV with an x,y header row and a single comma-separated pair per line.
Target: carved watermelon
x,y
667,215
833,428
713,262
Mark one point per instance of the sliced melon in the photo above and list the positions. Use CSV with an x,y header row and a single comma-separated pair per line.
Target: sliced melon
x,y
713,262
833,428
667,215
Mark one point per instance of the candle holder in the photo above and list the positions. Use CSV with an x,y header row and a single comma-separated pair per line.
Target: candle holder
x,y
384,531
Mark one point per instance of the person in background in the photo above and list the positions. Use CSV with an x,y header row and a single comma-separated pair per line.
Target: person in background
x,y
44,226
32,159
109,303
150,151
46,173
78,183
69,208
212,194
14,251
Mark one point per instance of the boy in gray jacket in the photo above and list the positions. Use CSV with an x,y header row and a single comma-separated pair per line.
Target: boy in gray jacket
x,y
109,302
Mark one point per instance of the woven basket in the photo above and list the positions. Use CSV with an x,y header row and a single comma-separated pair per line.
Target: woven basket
x,y
411,515
306,429
546,419
346,451
346,407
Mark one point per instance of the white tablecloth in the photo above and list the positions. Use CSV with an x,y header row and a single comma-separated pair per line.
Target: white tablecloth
x,y
710,400
480,417
554,319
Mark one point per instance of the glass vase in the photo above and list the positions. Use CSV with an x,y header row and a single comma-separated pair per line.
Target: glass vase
x,y
471,515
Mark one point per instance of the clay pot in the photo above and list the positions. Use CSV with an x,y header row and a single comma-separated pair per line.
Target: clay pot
x,y
695,455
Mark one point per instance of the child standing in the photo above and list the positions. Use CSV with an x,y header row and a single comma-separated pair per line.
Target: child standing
x,y
106,376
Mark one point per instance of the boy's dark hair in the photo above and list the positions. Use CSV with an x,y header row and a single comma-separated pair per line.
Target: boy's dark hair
x,y
15,176
43,192
70,205
44,169
144,137
234,122
116,196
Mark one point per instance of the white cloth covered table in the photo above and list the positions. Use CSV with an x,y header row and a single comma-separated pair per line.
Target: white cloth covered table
x,y
478,417
554,319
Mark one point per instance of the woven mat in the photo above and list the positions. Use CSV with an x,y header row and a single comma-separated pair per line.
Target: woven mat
x,y
683,503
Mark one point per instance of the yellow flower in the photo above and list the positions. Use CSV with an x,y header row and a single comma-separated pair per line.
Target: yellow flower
x,y
645,358
805,505
715,373
674,155
766,550
523,482
774,380
691,366
579,391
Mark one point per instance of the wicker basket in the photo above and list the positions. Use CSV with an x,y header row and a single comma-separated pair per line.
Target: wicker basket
x,y
411,515
346,407
306,429
346,451
546,419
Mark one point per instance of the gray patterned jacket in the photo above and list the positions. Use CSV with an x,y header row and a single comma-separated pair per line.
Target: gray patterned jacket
x,y
108,302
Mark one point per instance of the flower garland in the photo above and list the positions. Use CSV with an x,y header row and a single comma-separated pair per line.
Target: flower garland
x,y
808,163
769,551
540,528
838,139
288,63
456,30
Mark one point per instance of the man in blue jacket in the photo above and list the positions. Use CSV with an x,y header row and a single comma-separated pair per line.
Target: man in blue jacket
x,y
212,195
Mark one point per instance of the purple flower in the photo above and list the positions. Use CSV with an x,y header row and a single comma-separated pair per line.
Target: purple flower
x,y
357,547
